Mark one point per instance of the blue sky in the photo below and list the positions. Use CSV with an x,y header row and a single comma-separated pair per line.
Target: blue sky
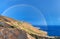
x,y
37,12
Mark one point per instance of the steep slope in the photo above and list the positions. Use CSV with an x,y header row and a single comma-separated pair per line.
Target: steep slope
x,y
31,31
10,33
23,25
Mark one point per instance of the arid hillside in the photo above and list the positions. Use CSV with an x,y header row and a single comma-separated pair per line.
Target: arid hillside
x,y
13,29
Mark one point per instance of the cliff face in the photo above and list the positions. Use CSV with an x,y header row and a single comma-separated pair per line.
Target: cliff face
x,y
13,29
10,33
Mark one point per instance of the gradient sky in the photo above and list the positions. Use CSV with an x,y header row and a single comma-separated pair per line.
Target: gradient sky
x,y
39,12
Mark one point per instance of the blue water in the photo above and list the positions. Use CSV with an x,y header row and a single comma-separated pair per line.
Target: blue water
x,y
52,30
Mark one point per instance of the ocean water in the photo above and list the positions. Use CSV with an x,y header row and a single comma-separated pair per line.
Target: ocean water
x,y
52,30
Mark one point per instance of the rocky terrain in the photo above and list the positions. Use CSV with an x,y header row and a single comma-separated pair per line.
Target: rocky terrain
x,y
13,29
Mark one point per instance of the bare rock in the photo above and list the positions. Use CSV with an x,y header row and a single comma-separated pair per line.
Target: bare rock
x,y
9,33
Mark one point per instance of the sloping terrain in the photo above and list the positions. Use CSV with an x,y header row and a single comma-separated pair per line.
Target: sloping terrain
x,y
30,31
10,33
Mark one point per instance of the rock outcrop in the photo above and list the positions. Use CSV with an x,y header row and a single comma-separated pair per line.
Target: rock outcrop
x,y
13,29
10,33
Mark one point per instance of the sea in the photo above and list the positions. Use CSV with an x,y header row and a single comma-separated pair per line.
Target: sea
x,y
51,30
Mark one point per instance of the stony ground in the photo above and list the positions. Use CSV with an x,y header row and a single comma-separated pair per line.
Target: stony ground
x,y
13,29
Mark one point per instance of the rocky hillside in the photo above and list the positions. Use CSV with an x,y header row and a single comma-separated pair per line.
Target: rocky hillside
x,y
13,29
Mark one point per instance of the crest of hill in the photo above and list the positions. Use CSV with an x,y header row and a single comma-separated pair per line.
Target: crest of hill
x,y
9,22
